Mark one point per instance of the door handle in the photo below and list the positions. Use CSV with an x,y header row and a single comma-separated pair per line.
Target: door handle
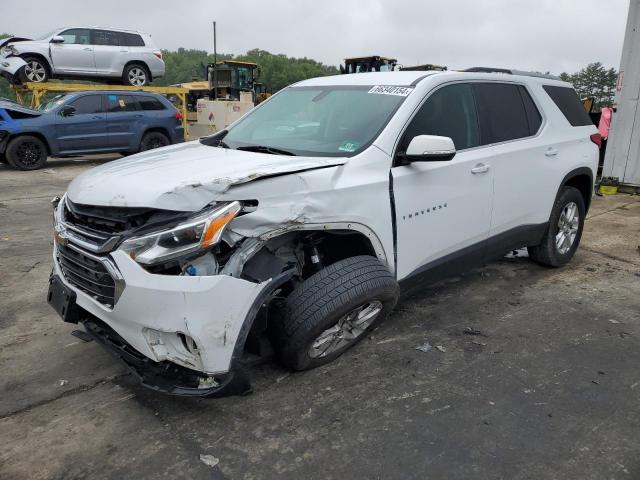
x,y
551,152
88,49
480,168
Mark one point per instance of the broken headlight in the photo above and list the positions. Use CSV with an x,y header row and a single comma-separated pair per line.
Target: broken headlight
x,y
196,234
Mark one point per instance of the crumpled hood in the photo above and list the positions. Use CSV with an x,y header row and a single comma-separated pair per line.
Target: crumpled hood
x,y
9,105
184,177
6,41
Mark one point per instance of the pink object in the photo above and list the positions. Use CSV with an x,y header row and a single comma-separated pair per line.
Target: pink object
x,y
605,121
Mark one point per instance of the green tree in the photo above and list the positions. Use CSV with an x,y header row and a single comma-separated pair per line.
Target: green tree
x,y
594,81
5,91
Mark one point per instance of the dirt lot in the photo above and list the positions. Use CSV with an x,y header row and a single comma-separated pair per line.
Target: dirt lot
x,y
537,378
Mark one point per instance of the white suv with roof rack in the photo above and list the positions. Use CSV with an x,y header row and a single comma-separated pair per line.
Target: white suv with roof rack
x,y
296,230
84,53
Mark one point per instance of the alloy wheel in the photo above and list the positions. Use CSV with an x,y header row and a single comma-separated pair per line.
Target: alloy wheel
x,y
29,154
137,77
568,225
35,71
347,330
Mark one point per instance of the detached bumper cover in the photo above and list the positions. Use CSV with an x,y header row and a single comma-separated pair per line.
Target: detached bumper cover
x,y
9,66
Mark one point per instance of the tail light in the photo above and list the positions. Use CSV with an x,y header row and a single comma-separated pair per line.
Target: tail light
x,y
597,139
179,116
158,54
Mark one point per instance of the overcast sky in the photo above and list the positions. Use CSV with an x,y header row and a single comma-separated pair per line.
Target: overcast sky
x,y
553,35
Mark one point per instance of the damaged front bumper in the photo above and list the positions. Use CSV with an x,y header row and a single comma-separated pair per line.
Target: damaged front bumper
x,y
181,335
10,66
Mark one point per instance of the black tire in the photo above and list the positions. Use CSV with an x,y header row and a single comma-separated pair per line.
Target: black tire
x,y
26,153
36,70
3,159
324,300
136,75
548,253
153,140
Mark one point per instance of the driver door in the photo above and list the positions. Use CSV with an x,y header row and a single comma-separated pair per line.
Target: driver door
x,y
75,54
443,208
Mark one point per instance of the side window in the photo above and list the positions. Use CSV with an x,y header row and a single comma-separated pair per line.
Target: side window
x,y
501,111
105,37
450,112
150,103
569,104
78,36
121,103
131,39
88,104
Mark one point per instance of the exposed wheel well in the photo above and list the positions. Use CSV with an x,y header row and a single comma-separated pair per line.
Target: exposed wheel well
x,y
142,64
582,182
41,58
33,134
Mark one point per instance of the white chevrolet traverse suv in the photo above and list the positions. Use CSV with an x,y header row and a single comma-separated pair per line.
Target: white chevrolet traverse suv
x,y
87,53
295,230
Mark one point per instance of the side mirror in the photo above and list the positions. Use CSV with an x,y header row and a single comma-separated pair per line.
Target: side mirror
x,y
68,111
430,148
57,39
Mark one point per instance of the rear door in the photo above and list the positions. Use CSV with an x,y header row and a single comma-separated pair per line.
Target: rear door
x,y
110,52
443,208
75,54
123,121
86,129
522,162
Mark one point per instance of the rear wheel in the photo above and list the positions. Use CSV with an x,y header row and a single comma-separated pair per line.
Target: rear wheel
x,y
35,70
153,140
26,153
333,310
136,75
562,237
3,159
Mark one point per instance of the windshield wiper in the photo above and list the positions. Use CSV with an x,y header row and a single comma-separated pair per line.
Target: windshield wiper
x,y
266,149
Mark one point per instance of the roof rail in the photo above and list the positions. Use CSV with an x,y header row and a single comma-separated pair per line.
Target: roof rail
x,y
511,72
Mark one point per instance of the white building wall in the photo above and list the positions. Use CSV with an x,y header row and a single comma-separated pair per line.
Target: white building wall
x,y
623,149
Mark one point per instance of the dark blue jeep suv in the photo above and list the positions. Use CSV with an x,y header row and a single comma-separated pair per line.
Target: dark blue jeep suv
x,y
84,123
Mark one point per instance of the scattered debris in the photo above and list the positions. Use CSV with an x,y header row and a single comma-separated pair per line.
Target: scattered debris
x,y
209,460
282,377
63,383
425,347
474,331
441,348
595,382
476,342
613,320
591,269
436,410
492,403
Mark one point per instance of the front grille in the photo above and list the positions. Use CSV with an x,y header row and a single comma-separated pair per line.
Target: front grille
x,y
87,274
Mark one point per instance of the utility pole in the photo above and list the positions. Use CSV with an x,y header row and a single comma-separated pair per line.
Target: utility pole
x,y
215,64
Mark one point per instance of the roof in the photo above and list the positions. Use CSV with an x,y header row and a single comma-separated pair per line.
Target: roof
x,y
371,57
368,78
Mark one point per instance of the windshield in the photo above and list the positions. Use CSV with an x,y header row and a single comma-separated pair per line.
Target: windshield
x,y
328,121
51,104
45,37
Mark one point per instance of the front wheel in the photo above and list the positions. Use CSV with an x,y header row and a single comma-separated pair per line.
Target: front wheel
x,y
563,235
333,310
26,153
35,70
153,140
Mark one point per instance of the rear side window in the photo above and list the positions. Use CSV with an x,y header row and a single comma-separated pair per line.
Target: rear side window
x,y
150,103
121,103
87,104
105,37
131,39
502,112
533,114
450,112
566,99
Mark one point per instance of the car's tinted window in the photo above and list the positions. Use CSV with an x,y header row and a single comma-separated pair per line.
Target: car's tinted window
x,y
106,37
501,112
131,39
533,114
450,112
79,36
150,103
121,103
569,104
87,104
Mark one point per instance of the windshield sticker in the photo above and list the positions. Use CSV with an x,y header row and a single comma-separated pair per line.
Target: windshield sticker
x,y
391,90
348,147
